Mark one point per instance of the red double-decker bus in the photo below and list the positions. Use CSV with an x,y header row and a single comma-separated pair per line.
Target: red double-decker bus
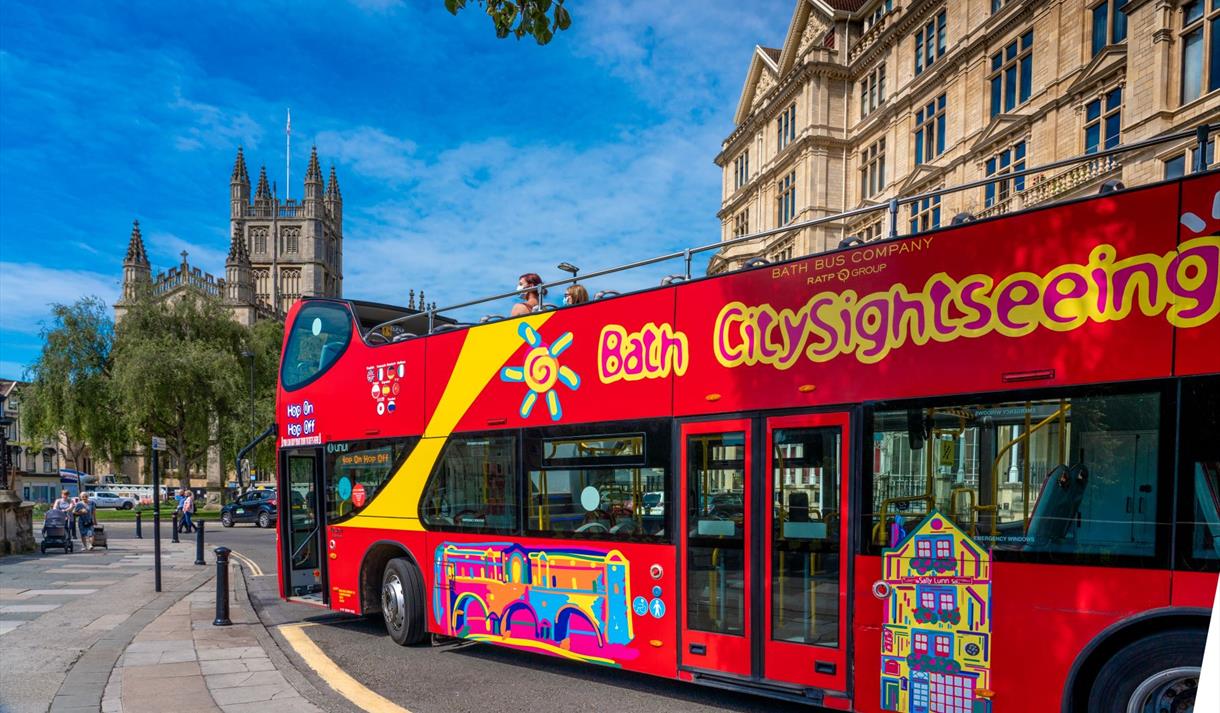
x,y
971,469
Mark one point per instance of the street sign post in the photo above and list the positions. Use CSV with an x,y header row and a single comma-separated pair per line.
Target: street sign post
x,y
158,445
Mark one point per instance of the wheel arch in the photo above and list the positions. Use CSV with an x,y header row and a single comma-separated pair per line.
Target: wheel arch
x,y
1089,661
372,565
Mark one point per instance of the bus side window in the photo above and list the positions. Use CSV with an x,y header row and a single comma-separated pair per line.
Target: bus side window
x,y
1199,528
474,485
1065,476
599,482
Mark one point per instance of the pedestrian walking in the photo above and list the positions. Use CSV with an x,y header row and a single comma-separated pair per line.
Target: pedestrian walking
x,y
65,503
188,509
86,519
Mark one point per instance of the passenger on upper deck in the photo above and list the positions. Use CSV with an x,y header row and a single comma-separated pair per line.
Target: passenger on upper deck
x,y
576,295
531,299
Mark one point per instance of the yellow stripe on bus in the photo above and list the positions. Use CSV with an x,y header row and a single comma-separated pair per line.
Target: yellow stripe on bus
x,y
485,350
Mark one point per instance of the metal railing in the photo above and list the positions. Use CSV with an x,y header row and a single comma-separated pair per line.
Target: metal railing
x,y
892,207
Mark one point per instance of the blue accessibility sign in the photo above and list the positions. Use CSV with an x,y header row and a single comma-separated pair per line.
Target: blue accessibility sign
x,y
657,607
656,592
640,606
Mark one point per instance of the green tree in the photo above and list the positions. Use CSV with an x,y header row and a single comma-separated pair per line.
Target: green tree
x,y
178,375
538,18
263,342
71,400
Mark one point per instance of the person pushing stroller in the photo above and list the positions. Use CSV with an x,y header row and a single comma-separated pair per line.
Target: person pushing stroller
x,y
55,531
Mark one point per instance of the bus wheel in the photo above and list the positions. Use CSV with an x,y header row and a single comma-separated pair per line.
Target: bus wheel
x,y
1157,673
402,602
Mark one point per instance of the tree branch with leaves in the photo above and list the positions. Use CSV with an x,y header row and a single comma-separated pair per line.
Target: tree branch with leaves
x,y
540,19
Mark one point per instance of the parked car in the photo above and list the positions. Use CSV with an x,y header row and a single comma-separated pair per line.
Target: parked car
x,y
256,506
106,499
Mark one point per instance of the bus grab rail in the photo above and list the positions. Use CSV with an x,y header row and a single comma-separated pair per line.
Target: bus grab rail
x,y
1201,133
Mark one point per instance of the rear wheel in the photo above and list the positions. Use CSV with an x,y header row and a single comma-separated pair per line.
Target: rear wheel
x,y
128,505
264,519
402,602
1157,673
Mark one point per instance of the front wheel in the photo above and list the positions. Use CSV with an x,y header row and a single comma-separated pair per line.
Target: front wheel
x,y
264,520
402,602
1157,673
226,519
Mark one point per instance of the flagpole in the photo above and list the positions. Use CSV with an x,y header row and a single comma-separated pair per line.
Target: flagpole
x,y
288,157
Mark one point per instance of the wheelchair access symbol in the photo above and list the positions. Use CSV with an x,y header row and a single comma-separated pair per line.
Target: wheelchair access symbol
x,y
640,606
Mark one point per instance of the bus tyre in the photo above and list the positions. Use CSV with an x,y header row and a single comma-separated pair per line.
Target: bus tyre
x,y
402,602
1156,673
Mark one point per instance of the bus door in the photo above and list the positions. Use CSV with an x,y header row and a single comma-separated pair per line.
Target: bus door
x,y
806,550
763,549
301,521
715,546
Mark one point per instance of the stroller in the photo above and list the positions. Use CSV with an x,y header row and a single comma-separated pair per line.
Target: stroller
x,y
55,531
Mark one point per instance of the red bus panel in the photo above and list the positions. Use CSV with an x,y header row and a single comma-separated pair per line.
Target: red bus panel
x,y
1198,345
887,320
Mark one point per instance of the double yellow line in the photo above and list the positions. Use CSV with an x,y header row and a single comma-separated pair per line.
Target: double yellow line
x,y
335,677
255,570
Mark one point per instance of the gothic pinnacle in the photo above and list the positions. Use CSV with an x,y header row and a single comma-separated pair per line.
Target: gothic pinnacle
x,y
135,248
263,190
237,249
239,169
332,187
314,173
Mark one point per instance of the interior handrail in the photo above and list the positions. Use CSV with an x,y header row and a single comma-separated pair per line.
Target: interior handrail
x,y
995,481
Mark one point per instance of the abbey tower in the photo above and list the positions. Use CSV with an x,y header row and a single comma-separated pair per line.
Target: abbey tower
x,y
279,250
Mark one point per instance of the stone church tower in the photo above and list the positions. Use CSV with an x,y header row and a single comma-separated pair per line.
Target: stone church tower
x,y
279,251
293,248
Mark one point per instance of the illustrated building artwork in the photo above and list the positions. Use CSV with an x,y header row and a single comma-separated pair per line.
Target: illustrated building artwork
x,y
936,637
570,603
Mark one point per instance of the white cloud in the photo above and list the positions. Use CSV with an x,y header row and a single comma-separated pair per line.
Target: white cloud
x,y
12,370
213,127
166,251
371,152
493,209
27,292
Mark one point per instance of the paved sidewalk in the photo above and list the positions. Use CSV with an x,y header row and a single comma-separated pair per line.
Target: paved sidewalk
x,y
86,632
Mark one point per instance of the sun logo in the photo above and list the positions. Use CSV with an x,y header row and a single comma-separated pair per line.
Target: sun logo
x,y
1197,225
541,370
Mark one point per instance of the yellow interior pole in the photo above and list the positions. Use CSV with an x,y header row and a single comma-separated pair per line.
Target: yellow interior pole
x,y
1026,463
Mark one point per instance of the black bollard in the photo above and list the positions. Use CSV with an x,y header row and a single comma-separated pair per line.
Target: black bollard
x,y
139,526
222,587
199,543
175,538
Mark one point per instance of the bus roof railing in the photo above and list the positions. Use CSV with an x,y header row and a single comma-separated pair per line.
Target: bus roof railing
x,y
1201,134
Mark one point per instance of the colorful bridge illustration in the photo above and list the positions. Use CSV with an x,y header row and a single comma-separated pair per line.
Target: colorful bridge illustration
x,y
570,602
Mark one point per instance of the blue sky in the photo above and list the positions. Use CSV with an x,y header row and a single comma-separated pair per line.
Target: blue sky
x,y
464,160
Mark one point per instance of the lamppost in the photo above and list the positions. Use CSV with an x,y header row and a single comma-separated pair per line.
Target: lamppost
x,y
247,354
5,422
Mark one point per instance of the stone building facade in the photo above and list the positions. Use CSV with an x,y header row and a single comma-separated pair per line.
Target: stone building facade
x,y
279,251
33,463
867,101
